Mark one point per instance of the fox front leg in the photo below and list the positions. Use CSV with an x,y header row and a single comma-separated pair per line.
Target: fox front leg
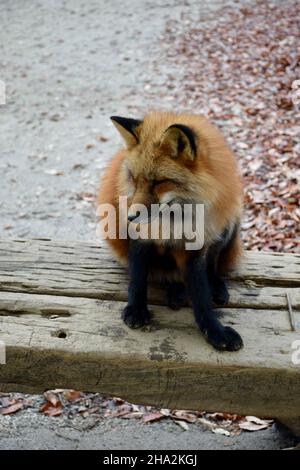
x,y
136,313
222,338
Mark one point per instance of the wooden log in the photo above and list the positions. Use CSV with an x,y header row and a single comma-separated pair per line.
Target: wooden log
x,y
60,307
89,270
65,342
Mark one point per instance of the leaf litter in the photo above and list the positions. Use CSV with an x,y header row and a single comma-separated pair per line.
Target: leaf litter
x,y
72,403
243,72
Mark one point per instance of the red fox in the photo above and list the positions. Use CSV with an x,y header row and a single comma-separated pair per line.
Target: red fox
x,y
177,158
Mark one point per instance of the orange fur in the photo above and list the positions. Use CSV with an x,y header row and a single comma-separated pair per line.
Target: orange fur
x,y
211,178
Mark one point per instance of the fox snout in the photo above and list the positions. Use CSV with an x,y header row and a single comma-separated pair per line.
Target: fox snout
x,y
133,216
139,205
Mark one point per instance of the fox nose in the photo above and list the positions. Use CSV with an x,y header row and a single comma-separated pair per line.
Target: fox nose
x,y
131,217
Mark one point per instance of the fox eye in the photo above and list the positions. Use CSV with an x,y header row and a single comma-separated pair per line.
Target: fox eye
x,y
158,182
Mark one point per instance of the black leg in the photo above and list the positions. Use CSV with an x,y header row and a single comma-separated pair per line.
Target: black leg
x,y
176,295
136,313
218,287
221,337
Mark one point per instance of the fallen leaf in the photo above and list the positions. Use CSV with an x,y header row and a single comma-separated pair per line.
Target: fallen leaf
x,y
53,405
151,417
50,410
182,424
185,416
207,424
247,426
254,419
133,414
165,412
118,401
252,423
221,431
73,395
52,398
11,409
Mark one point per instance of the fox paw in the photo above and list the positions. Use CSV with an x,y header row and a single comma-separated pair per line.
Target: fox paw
x,y
136,316
224,338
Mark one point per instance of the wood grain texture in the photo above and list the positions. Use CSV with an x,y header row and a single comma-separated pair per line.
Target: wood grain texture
x,y
60,310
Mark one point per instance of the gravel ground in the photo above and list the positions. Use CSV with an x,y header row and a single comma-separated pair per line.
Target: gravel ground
x,y
68,66
30,430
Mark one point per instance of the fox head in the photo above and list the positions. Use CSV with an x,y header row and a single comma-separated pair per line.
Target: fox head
x,y
162,155
174,158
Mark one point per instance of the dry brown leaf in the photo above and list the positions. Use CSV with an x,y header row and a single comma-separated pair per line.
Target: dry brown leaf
x,y
151,417
11,409
73,395
52,411
132,415
185,415
51,397
118,401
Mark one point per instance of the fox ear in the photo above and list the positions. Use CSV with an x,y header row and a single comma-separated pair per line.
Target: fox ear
x,y
128,129
181,141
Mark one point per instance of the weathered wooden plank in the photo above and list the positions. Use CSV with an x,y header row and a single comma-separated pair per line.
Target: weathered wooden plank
x,y
82,343
84,270
274,268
